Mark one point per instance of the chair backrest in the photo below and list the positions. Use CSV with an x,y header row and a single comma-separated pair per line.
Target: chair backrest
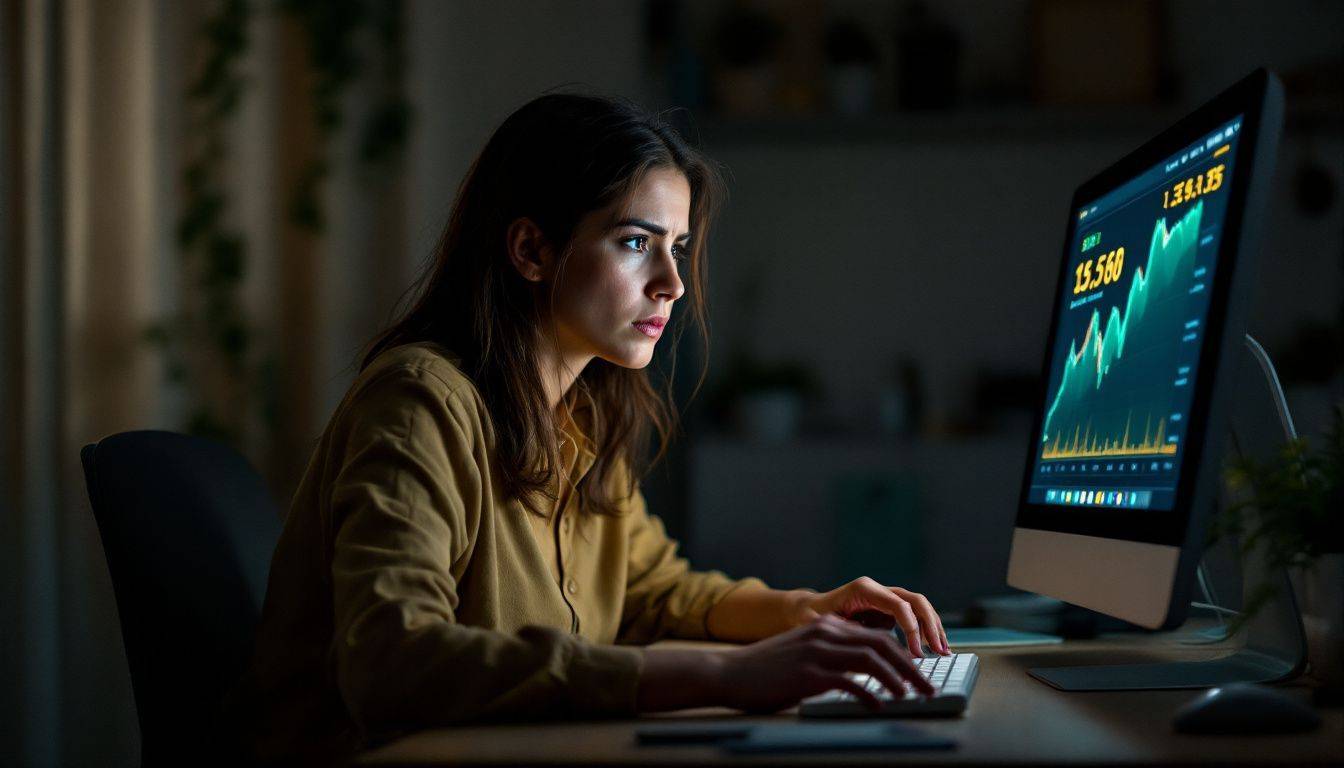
x,y
188,529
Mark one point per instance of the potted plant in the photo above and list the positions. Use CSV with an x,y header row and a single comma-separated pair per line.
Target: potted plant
x,y
1290,510
853,68
766,398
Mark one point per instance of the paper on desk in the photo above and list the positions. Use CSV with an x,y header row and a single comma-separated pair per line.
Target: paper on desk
x,y
987,637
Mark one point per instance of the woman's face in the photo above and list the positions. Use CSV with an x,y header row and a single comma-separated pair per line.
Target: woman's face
x,y
623,270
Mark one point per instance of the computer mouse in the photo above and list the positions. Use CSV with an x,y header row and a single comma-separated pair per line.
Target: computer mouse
x,y
1245,708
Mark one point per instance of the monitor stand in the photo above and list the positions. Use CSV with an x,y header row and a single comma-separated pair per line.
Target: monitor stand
x,y
1276,644
1275,650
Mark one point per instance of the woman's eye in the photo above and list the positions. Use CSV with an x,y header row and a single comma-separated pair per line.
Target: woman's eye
x,y
641,243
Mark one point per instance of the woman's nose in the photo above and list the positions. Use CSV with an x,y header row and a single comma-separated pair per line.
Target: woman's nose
x,y
667,282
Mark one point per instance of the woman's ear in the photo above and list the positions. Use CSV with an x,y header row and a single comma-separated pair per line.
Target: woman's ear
x,y
529,251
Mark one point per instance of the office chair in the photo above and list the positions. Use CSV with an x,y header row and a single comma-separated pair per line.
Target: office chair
x,y
188,529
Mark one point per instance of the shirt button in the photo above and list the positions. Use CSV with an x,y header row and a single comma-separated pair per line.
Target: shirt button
x,y
572,586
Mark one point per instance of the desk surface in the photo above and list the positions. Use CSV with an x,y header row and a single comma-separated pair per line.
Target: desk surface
x,y
1012,718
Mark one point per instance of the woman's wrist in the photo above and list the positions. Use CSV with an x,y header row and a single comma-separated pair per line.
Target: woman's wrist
x,y
681,678
797,607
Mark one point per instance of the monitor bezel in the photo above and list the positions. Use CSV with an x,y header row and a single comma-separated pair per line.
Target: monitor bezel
x,y
1172,528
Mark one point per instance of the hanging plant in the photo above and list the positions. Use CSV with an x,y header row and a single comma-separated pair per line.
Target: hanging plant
x,y
213,253
331,29
208,344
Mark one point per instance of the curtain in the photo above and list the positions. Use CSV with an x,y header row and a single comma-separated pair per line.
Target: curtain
x,y
94,128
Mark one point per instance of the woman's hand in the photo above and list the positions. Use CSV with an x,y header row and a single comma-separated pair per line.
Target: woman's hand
x,y
780,671
869,603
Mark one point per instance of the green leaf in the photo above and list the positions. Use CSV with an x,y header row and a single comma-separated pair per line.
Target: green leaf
x,y
233,342
1287,506
385,132
225,259
200,215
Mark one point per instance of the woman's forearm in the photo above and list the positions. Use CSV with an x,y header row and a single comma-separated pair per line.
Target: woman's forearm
x,y
749,614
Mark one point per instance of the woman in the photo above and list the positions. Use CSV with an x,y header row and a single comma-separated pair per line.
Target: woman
x,y
469,541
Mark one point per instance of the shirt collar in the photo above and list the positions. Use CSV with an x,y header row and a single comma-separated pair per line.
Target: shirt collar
x,y
576,423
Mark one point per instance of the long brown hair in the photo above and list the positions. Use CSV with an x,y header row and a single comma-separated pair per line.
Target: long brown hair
x,y
554,160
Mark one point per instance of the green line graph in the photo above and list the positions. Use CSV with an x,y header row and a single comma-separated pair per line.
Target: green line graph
x,y
1085,419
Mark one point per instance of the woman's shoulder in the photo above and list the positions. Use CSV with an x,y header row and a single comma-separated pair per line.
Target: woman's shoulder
x,y
420,356
417,367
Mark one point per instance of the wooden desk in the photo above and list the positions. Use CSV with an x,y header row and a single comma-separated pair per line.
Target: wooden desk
x,y
1012,719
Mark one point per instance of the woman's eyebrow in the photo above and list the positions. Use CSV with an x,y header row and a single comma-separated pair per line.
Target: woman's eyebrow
x,y
648,225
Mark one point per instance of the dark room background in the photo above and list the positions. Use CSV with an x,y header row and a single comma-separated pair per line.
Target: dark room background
x,y
210,206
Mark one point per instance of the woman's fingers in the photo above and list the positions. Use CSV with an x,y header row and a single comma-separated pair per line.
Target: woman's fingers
x,y
900,610
843,632
846,683
909,624
911,611
861,658
929,620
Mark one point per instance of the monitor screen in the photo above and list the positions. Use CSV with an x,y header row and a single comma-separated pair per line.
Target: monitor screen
x,y
1126,349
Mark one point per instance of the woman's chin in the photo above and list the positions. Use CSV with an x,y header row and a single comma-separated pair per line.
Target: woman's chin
x,y
632,358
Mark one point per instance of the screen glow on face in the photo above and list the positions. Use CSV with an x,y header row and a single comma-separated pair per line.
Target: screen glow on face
x,y
624,267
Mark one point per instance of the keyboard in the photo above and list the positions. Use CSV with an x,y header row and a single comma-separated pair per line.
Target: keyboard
x,y
953,679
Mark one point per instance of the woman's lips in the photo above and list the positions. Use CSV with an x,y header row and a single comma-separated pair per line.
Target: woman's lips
x,y
649,329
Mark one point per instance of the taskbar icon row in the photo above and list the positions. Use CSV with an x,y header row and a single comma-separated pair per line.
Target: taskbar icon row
x,y
1099,497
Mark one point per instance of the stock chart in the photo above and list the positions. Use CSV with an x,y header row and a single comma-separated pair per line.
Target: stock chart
x,y
1126,350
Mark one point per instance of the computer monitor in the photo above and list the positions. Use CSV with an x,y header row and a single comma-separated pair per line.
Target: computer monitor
x,y
1124,456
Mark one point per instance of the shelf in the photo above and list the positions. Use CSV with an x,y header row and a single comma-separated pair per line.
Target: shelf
x,y
1015,124
1009,124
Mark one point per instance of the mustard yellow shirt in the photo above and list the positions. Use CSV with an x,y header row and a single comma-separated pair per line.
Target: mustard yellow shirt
x,y
407,592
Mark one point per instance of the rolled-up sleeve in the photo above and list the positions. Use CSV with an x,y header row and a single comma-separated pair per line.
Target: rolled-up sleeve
x,y
663,596
408,487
